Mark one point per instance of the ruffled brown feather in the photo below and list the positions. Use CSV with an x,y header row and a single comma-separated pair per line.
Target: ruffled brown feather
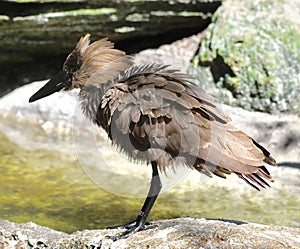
x,y
153,113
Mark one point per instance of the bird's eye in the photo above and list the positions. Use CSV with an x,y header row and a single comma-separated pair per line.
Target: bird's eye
x,y
72,63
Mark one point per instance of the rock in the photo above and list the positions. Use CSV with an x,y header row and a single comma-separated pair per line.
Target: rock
x,y
277,132
59,21
252,51
174,233
178,54
29,235
36,35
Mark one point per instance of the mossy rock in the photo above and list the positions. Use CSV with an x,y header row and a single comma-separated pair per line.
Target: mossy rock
x,y
37,35
252,49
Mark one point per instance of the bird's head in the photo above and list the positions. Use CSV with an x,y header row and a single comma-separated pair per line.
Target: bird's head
x,y
93,63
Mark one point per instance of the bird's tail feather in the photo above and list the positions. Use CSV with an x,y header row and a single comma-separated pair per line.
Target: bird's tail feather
x,y
257,179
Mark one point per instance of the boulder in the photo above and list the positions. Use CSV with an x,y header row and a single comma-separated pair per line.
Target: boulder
x,y
252,51
174,233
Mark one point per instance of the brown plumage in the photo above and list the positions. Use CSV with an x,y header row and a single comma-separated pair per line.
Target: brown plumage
x,y
155,114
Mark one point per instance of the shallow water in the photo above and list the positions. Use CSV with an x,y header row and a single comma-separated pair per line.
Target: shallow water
x,y
51,189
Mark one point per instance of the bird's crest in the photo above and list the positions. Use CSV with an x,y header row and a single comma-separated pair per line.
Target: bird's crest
x,y
95,63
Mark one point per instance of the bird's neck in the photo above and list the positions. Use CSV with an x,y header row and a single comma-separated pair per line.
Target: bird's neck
x,y
90,98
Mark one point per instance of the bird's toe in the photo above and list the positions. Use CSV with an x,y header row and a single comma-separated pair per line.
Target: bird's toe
x,y
131,230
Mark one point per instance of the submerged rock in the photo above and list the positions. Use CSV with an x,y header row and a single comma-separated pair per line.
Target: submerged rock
x,y
174,233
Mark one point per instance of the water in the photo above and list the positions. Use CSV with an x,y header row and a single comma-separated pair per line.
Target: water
x,y
51,189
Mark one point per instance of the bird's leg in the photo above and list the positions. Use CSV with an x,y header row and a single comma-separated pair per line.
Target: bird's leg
x,y
139,223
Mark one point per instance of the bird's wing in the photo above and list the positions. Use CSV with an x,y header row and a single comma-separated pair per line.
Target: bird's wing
x,y
161,116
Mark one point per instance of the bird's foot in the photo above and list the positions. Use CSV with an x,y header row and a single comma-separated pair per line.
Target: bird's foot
x,y
127,225
131,228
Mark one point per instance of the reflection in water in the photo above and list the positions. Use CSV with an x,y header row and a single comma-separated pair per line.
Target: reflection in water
x,y
51,189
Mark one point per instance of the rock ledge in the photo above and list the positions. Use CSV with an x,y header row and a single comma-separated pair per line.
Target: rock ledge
x,y
174,233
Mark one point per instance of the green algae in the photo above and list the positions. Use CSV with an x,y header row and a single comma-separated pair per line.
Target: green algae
x,y
137,17
125,29
75,12
253,51
51,189
4,18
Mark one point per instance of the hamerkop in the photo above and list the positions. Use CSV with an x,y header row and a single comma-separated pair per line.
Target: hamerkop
x,y
156,115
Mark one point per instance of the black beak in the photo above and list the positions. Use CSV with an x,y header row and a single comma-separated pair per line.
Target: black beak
x,y
58,82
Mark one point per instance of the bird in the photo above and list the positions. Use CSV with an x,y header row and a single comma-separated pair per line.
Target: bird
x,y
158,115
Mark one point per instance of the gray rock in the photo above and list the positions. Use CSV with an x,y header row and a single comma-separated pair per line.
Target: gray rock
x,y
28,235
174,233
